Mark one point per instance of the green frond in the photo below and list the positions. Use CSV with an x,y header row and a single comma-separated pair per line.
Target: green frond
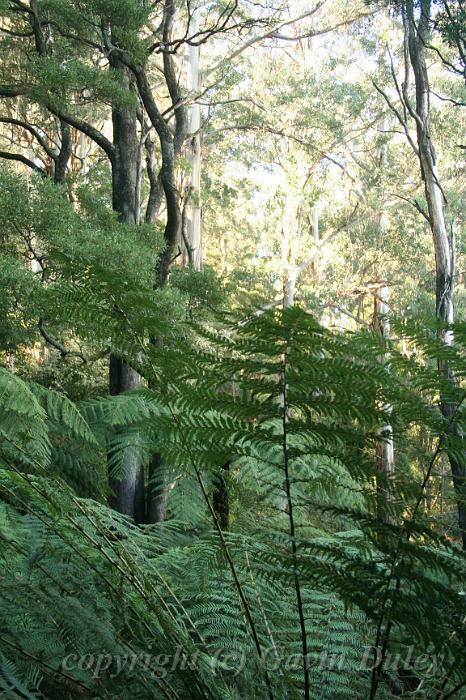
x,y
297,413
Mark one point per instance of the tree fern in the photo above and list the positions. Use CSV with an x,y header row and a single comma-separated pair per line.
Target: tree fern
x,y
238,607
11,687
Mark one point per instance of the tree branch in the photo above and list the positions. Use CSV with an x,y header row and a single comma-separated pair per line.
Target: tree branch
x,y
398,116
24,160
56,344
13,90
181,117
68,353
79,124
325,30
34,131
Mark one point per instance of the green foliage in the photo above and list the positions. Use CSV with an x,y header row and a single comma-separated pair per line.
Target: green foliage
x,y
297,410
201,290
90,271
56,79
278,416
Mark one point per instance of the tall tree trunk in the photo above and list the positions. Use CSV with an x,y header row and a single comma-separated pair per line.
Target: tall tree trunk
x,y
127,493
192,249
170,144
170,148
416,38
381,322
385,458
154,201
291,236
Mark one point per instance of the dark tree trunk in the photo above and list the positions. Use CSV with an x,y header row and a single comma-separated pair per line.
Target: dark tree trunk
x,y
128,493
164,183
124,166
64,155
44,49
154,201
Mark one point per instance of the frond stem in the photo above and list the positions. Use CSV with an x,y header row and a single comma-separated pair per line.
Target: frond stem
x,y
294,547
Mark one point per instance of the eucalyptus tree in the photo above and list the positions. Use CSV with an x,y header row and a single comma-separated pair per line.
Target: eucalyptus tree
x,y
414,112
282,123
292,127
75,49
416,36
73,45
86,61
76,66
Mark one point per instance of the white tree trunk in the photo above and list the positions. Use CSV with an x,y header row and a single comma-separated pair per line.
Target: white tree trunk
x,y
417,38
385,458
193,225
291,234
